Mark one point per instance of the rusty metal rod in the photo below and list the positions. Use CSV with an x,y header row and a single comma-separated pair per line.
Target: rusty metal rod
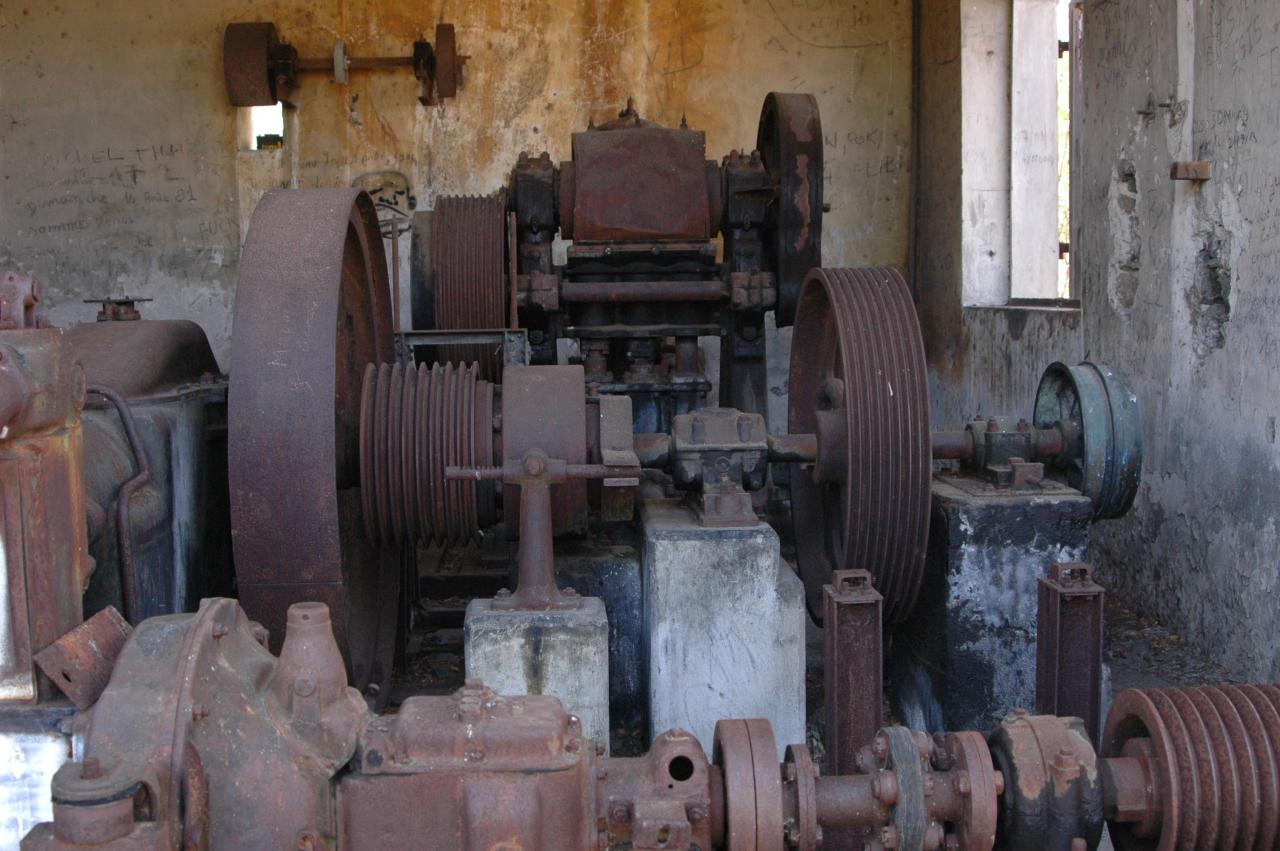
x,y
794,448
952,445
360,62
633,291
124,530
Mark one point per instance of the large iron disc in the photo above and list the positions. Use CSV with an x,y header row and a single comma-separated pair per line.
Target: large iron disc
x,y
246,63
312,309
468,251
1107,465
789,139
857,367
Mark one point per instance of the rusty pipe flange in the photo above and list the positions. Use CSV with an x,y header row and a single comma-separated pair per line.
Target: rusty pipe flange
x,y
1052,792
1098,414
246,63
414,422
747,755
789,138
468,286
312,309
978,788
858,381
800,775
1214,762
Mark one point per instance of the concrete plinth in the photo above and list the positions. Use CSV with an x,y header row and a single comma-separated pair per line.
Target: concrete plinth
x,y
564,653
724,626
967,655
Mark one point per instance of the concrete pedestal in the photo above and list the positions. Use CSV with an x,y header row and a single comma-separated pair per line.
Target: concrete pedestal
x,y
967,655
724,626
564,653
612,573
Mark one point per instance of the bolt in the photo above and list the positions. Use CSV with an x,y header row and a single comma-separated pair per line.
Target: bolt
x,y
885,787
535,465
571,592
964,785
91,769
572,746
889,836
993,425
219,630
304,687
503,593
198,711
952,843
695,814
307,841
933,836
880,747
1023,425
619,812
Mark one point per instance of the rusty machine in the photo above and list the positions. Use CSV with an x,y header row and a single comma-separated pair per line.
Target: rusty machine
x,y
351,445
643,277
203,739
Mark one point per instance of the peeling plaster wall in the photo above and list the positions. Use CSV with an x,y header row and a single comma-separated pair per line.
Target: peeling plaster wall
x,y
1181,288
119,152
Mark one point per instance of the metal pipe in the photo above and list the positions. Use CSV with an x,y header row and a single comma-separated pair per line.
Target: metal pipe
x,y
634,291
124,530
850,800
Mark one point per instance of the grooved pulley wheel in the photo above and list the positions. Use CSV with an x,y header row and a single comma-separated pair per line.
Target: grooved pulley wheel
x,y
415,422
468,250
312,309
246,63
858,381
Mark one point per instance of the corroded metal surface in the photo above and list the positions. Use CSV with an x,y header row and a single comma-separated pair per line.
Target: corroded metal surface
x,y
1208,767
468,251
789,139
246,63
80,662
415,422
858,381
311,312
1069,645
639,183
44,556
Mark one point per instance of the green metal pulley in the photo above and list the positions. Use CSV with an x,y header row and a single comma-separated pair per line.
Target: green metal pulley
x,y
1097,412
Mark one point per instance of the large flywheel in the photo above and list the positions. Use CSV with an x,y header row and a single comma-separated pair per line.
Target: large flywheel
x,y
312,310
858,382
789,138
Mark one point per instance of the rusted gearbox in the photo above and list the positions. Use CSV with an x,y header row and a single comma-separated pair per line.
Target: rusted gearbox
x,y
203,739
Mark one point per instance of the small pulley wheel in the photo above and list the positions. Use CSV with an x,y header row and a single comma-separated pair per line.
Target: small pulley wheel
x,y
858,382
246,63
446,61
747,754
1098,415
789,139
312,310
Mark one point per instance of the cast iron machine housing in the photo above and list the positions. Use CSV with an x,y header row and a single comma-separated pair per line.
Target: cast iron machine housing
x,y
641,281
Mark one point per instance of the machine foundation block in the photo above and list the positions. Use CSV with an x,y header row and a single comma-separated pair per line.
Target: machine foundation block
x,y
971,640
563,653
724,626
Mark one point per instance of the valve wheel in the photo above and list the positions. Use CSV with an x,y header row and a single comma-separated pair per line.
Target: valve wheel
x,y
858,381
789,138
312,310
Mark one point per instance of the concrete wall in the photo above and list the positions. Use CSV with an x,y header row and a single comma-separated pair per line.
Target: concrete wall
x,y
984,357
119,151
1181,286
